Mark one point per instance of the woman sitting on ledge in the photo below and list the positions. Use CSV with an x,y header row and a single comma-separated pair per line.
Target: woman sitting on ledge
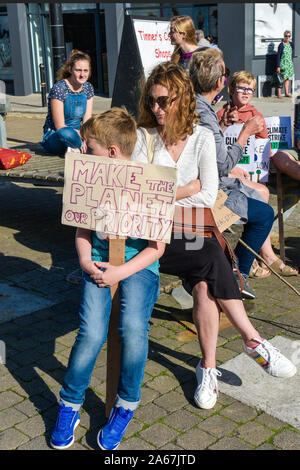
x,y
70,104
168,111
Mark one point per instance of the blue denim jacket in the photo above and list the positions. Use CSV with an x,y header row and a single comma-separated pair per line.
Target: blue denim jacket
x,y
74,104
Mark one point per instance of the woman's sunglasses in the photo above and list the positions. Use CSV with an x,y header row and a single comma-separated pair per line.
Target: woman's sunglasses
x,y
162,101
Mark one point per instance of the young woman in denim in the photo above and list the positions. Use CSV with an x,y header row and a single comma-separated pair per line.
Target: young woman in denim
x,y
70,103
112,134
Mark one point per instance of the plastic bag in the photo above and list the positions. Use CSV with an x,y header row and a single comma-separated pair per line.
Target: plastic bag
x,y
277,80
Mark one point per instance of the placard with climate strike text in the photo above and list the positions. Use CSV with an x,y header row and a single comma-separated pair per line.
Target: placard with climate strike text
x,y
256,154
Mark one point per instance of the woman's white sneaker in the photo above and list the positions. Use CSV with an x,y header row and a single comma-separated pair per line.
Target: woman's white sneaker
x,y
270,359
206,393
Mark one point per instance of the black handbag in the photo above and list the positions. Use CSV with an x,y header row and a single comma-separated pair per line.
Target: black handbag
x,y
277,80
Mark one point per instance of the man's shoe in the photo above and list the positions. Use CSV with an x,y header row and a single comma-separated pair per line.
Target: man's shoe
x,y
270,359
63,433
110,436
246,292
206,393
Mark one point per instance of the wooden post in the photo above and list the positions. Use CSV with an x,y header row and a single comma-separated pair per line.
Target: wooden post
x,y
280,214
116,257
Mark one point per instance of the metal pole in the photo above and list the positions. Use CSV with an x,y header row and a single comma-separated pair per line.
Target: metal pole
x,y
57,36
43,85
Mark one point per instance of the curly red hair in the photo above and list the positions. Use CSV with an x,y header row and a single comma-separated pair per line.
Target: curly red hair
x,y
181,121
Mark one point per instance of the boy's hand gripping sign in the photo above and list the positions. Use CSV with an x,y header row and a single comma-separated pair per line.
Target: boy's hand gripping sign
x,y
119,197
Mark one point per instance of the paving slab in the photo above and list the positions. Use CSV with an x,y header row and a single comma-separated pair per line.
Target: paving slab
x,y
243,380
16,302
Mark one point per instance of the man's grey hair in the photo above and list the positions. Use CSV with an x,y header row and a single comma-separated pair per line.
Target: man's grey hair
x,y
205,69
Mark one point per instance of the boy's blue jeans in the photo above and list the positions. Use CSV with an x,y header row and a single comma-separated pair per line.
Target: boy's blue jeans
x,y
138,294
256,230
57,141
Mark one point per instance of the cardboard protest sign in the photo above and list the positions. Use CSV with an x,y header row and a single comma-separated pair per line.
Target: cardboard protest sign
x,y
119,197
280,132
256,153
223,216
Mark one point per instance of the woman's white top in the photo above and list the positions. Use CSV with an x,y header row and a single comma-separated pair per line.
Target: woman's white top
x,y
197,161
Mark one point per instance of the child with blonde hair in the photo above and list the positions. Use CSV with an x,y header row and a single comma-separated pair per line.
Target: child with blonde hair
x,y
113,135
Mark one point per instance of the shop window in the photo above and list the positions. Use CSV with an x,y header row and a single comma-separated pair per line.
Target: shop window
x,y
6,71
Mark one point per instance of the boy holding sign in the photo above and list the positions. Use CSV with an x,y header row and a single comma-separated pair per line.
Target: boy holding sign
x,y
113,135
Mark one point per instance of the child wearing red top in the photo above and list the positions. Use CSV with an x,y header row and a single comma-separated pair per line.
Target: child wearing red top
x,y
242,87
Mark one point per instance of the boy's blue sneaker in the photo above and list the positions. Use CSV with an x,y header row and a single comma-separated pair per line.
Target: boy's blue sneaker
x,y
110,436
63,433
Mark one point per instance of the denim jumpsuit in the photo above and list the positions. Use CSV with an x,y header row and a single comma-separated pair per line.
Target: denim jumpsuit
x,y
57,141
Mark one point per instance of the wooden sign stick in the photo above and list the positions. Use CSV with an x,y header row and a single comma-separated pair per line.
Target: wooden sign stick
x,y
116,257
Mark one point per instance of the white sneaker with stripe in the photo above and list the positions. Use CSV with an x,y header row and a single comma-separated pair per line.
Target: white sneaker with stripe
x,y
270,359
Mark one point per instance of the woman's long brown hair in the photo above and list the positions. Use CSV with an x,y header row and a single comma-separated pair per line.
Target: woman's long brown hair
x,y
181,120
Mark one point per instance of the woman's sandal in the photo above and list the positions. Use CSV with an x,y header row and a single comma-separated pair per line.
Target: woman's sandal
x,y
257,271
286,271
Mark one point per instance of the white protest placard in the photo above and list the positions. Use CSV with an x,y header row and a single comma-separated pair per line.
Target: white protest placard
x,y
153,42
119,197
231,134
261,161
280,132
256,153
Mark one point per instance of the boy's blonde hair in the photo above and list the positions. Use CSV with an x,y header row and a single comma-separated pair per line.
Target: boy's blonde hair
x,y
241,76
113,127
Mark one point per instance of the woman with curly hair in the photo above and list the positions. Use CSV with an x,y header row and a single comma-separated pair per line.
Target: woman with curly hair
x,y
70,103
168,112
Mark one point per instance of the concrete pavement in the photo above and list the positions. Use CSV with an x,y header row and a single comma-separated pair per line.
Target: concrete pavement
x,y
37,255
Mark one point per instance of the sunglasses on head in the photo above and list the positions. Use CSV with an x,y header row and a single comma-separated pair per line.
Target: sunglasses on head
x,y
162,101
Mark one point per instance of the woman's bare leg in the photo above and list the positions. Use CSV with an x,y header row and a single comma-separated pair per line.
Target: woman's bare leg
x,y
206,318
287,164
235,311
286,88
266,251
